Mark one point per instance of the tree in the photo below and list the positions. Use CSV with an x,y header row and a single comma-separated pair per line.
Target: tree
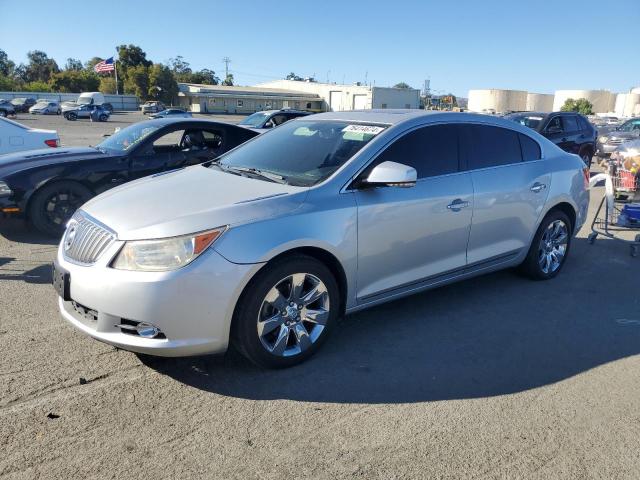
x,y
228,81
204,77
107,85
8,84
132,56
402,85
73,64
137,81
293,76
6,65
40,67
179,65
74,81
581,105
89,64
36,86
162,83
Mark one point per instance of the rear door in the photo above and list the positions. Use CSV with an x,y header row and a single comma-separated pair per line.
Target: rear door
x,y
510,183
409,235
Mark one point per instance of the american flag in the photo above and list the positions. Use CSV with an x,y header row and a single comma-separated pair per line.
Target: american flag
x,y
104,66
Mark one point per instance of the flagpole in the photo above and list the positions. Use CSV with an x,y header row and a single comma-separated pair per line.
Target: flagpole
x,y
115,71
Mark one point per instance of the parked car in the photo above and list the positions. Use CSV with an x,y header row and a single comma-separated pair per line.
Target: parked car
x,y
46,107
88,98
173,113
15,137
610,140
7,109
571,131
264,121
325,215
152,107
23,104
86,111
47,187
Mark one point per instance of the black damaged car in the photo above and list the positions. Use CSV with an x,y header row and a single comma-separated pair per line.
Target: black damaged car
x,y
47,186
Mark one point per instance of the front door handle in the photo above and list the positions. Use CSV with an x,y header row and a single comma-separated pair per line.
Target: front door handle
x,y
538,187
457,205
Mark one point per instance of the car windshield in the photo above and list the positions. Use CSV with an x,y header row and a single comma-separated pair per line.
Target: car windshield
x,y
18,101
300,153
630,125
127,138
255,120
42,104
531,121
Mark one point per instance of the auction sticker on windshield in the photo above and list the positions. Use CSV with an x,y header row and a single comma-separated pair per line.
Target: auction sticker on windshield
x,y
369,129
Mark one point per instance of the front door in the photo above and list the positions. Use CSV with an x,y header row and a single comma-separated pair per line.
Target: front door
x,y
408,235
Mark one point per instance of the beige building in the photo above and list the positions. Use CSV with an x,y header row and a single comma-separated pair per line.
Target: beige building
x,y
337,97
496,100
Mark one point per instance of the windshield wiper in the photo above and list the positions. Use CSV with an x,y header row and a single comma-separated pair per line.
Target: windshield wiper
x,y
273,177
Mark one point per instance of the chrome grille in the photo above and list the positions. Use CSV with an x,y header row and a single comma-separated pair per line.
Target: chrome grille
x,y
617,141
85,239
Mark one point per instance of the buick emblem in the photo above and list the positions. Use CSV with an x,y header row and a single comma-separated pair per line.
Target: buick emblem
x,y
71,236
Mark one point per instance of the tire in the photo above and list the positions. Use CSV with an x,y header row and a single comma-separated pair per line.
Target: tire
x,y
534,264
58,112
587,157
103,118
71,116
48,214
289,337
3,113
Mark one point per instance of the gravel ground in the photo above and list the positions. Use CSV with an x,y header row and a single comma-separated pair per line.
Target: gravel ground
x,y
495,377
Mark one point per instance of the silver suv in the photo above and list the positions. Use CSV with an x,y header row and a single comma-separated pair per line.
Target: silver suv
x,y
323,216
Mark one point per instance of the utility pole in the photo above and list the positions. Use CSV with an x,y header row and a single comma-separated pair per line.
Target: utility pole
x,y
226,61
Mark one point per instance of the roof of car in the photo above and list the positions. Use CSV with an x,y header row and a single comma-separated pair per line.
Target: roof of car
x,y
398,116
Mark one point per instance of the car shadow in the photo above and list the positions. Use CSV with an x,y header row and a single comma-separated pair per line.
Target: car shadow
x,y
18,230
492,335
12,269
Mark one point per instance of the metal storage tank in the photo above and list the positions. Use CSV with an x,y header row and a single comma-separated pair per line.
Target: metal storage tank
x,y
497,100
539,102
603,101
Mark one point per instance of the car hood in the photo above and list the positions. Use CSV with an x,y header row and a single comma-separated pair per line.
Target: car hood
x,y
620,134
190,200
15,162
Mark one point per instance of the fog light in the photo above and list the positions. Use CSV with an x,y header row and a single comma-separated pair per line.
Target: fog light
x,y
147,330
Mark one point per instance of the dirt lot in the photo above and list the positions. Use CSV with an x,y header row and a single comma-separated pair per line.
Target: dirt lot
x,y
496,377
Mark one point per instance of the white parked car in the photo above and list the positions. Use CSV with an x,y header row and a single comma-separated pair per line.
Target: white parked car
x,y
46,107
15,137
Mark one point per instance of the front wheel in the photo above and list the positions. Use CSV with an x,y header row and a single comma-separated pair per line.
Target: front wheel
x,y
53,206
286,312
549,248
71,116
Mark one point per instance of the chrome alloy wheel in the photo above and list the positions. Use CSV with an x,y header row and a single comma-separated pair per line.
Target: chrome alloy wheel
x,y
293,314
553,246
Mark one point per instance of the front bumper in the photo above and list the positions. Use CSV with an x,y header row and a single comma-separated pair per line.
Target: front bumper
x,y
605,150
192,306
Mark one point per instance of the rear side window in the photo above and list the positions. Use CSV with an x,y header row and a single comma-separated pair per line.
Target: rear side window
x,y
570,124
530,148
488,146
432,150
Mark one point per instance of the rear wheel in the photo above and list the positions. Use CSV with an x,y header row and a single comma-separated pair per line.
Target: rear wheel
x,y
103,117
71,116
549,248
286,312
587,157
3,113
53,206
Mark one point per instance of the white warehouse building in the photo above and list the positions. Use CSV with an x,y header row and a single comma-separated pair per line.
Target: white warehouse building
x,y
351,97
539,102
496,100
603,101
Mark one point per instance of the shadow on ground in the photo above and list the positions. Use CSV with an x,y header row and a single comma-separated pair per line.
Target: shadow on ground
x,y
18,230
492,335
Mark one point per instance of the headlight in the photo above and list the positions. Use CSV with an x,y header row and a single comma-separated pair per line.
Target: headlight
x,y
603,139
165,254
4,190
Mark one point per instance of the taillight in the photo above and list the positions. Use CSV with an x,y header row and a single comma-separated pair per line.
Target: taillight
x,y
587,175
52,143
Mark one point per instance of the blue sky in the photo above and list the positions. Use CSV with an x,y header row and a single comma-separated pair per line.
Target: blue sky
x,y
538,46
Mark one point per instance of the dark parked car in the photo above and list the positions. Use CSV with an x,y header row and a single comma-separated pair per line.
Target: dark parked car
x,y
94,112
610,139
22,104
571,131
6,109
47,187
263,121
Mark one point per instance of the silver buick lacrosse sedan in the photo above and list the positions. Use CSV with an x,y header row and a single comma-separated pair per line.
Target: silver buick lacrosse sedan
x,y
270,244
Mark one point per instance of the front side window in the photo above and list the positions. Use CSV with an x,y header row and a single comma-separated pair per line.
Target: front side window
x,y
431,150
301,153
488,146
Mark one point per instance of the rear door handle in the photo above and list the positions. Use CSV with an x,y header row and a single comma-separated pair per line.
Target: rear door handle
x,y
457,205
538,187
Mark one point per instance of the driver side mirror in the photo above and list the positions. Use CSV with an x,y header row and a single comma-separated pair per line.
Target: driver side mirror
x,y
392,174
